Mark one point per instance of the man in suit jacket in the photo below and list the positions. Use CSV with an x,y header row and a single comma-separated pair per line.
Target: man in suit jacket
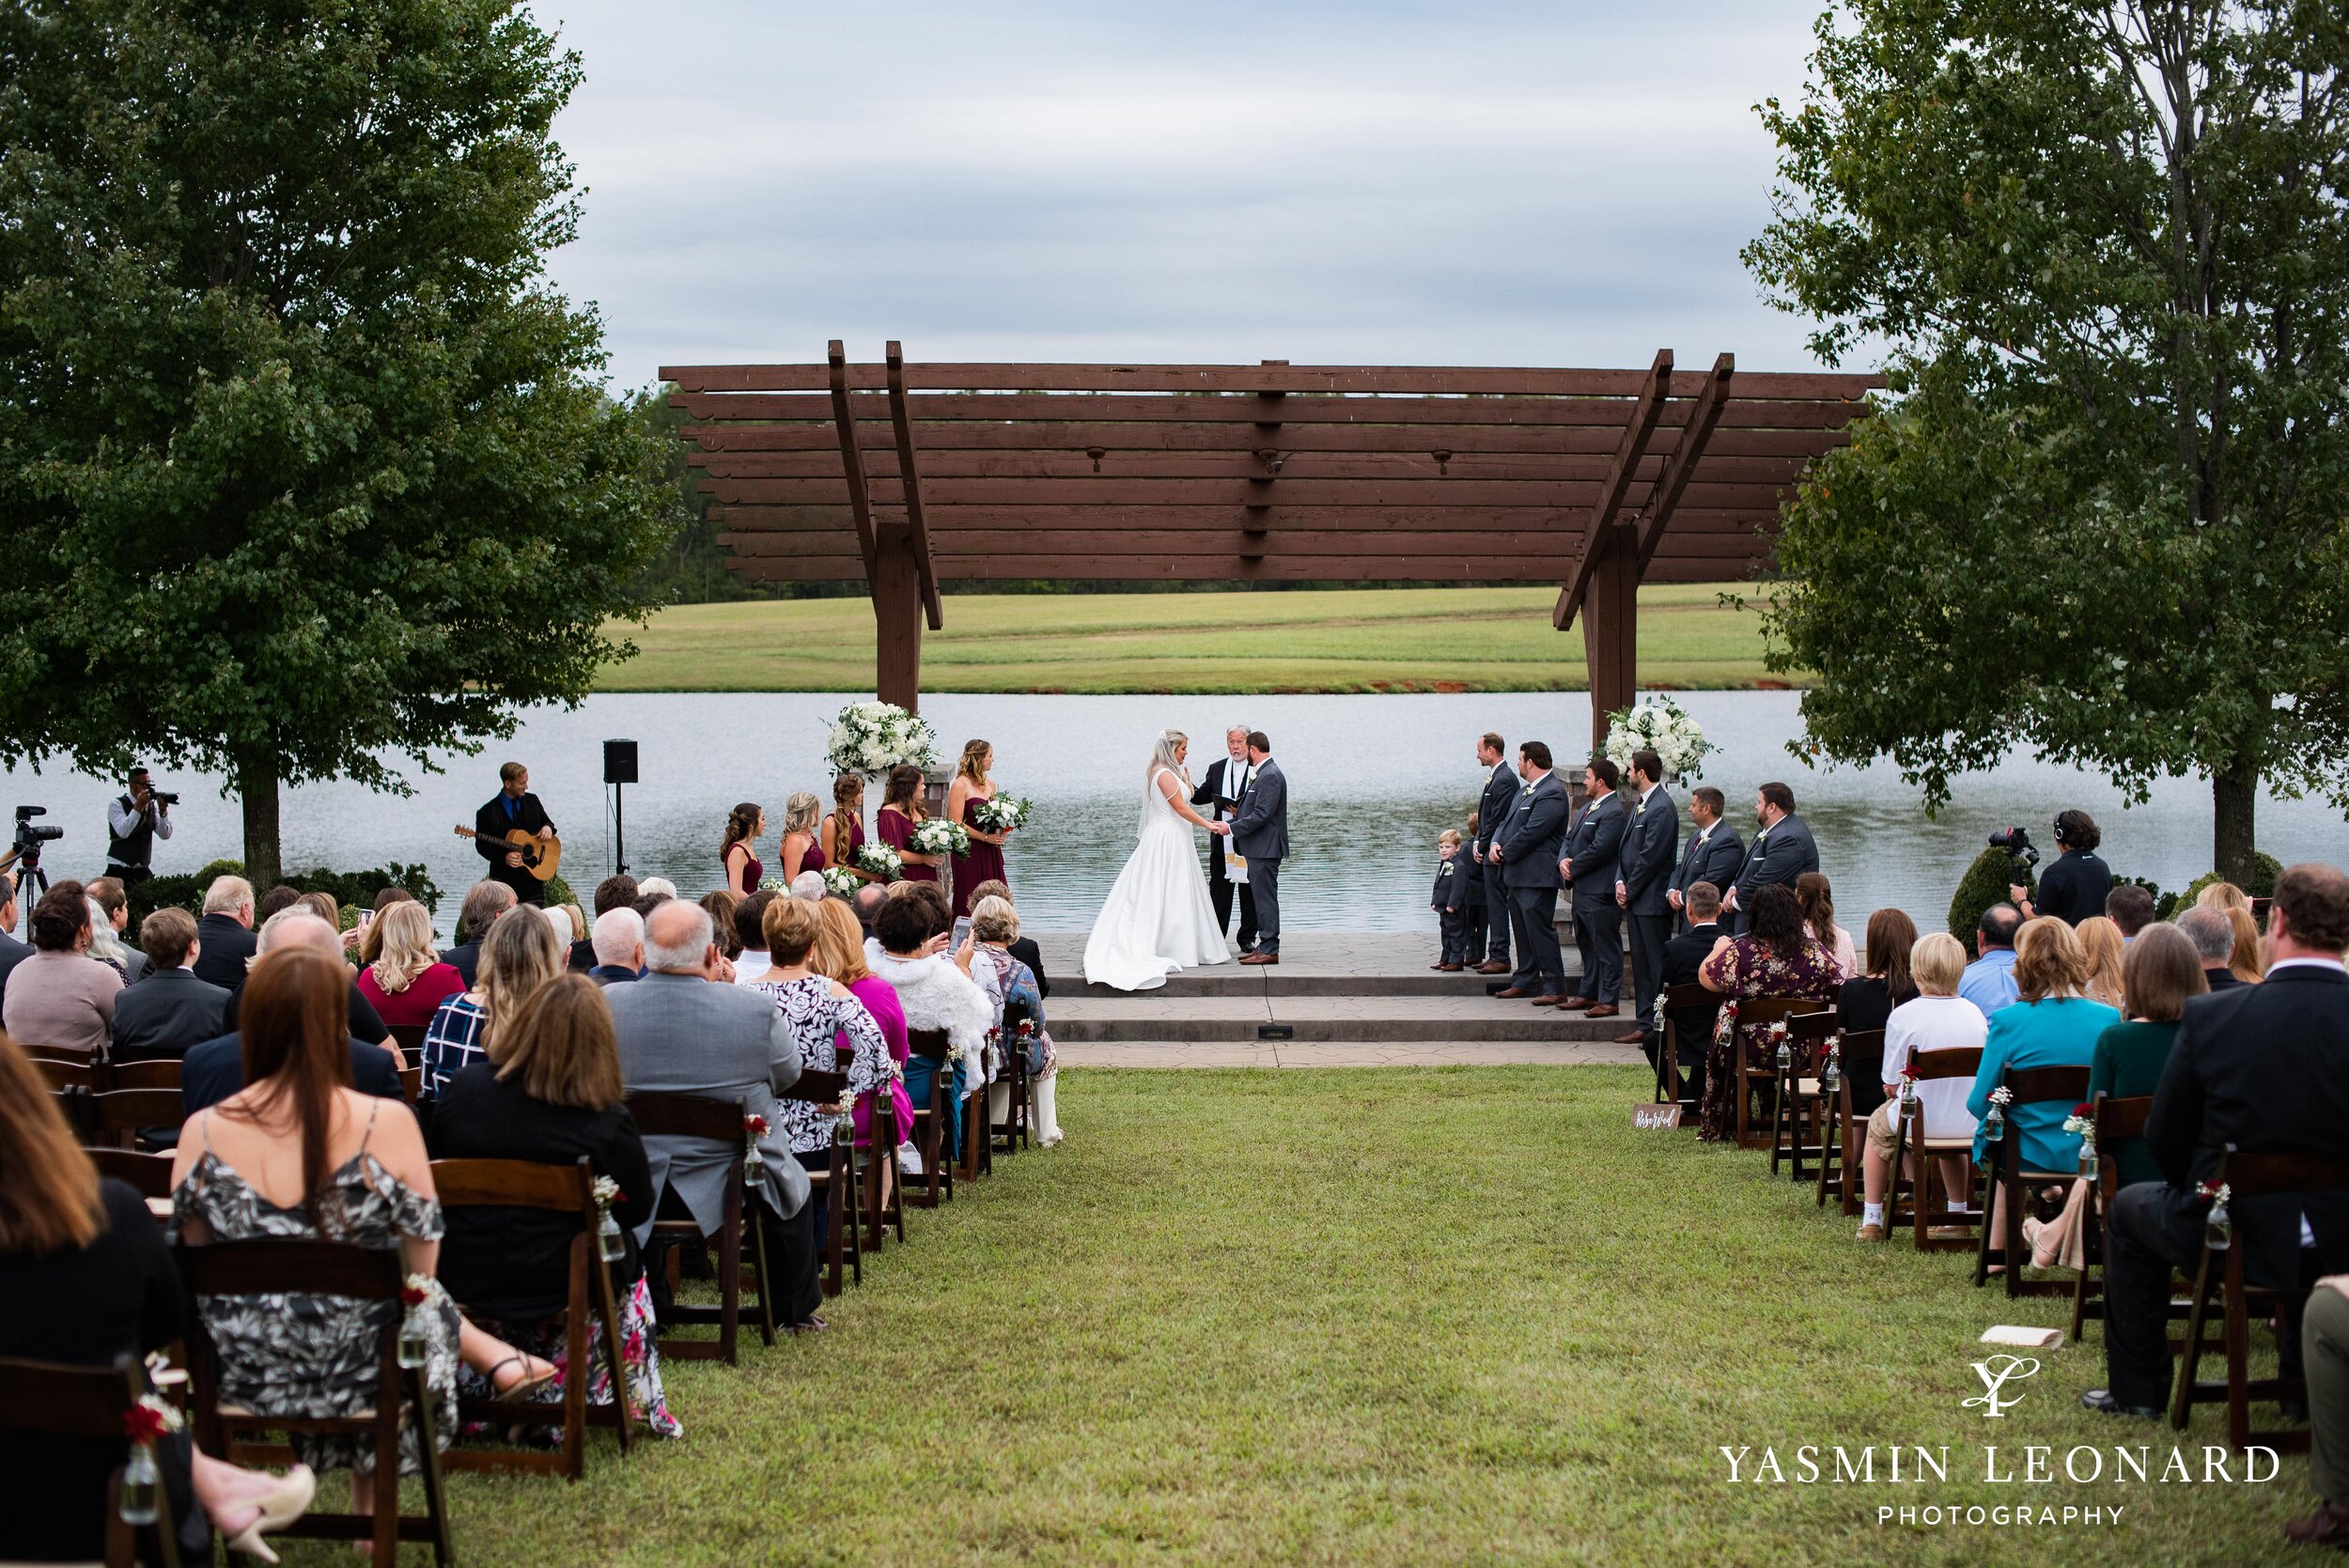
x,y
225,935
12,952
1782,850
1532,837
170,1011
682,1031
1492,812
1714,853
2213,935
1260,834
211,1072
513,806
296,924
1649,846
1683,954
2262,1067
619,938
1593,847
1227,779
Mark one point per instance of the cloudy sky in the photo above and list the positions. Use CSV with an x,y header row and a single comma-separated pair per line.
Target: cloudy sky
x,y
1556,183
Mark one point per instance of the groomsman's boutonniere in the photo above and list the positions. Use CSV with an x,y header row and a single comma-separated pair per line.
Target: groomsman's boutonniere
x,y
1760,836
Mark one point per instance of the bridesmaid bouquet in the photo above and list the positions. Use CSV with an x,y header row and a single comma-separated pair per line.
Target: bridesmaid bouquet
x,y
940,837
1000,815
882,861
840,879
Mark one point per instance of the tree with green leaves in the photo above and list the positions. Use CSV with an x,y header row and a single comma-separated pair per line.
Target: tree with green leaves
x,y
2104,514
305,465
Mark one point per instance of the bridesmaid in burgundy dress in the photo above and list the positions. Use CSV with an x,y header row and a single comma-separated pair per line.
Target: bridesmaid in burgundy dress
x,y
799,851
984,863
901,813
841,831
739,854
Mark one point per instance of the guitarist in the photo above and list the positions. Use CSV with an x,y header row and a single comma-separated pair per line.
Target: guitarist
x,y
513,806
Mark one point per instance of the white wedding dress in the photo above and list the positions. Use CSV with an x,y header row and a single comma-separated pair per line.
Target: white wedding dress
x,y
1157,919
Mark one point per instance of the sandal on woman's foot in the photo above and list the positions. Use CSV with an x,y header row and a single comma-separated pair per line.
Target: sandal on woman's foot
x,y
523,1384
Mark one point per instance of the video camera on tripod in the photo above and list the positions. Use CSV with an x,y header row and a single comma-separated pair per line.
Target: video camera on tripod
x,y
2016,843
23,856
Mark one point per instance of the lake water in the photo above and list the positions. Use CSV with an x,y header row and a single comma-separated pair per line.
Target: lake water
x,y
1371,780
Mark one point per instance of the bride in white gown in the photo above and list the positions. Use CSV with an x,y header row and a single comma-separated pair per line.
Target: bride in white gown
x,y
1157,919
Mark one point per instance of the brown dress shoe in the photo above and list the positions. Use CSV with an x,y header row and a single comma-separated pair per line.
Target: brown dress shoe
x,y
1492,966
1637,1037
1602,1010
1549,1001
1579,1002
1448,969
1512,994
2328,1526
1262,958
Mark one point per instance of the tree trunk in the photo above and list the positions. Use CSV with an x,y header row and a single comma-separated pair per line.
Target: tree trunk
x,y
2234,803
257,788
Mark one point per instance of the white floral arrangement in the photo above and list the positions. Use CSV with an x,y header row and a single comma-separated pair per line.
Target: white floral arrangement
x,y
873,738
1663,726
2002,1095
2081,1127
840,879
938,836
1002,813
607,1193
880,860
773,884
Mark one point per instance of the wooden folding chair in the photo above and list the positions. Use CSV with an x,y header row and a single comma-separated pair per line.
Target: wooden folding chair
x,y
1678,999
929,1120
48,1398
587,1287
1928,1208
1011,1133
2007,1175
884,1188
2249,1174
412,1085
1842,1138
1752,1078
153,1072
2115,1119
719,1122
150,1173
836,1187
121,1114
1799,1109
410,1038
60,1074
403,1396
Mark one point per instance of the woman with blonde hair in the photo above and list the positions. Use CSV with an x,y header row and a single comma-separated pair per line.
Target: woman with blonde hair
x,y
407,982
839,955
518,956
2248,961
2222,895
800,852
1936,1019
2102,945
984,861
994,926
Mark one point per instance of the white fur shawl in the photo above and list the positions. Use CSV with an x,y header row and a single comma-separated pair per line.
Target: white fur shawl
x,y
937,995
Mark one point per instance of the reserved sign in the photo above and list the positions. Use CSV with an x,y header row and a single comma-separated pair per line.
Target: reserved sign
x,y
1647,1117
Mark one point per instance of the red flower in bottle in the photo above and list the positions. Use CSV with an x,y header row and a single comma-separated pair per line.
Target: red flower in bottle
x,y
143,1422
2085,1110
411,1296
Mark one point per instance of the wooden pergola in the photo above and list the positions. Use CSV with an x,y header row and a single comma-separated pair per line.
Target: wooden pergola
x,y
905,475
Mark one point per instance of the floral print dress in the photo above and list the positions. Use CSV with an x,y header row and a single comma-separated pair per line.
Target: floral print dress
x,y
815,1015
1746,969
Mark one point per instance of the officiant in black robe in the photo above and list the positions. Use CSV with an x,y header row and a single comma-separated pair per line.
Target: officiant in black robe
x,y
1216,797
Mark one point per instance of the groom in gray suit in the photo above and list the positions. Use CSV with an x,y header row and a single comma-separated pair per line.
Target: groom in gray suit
x,y
1260,832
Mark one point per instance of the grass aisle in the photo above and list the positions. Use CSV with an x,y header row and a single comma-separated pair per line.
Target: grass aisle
x,y
1396,1316
1337,640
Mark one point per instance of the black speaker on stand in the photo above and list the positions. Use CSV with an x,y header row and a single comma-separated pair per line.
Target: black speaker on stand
x,y
619,769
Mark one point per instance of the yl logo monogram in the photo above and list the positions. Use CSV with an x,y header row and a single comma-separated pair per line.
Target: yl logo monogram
x,y
1995,1375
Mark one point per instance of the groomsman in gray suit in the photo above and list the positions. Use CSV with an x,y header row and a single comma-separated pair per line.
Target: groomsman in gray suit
x,y
1260,832
1593,847
1646,866
1714,852
1782,851
1527,847
1492,813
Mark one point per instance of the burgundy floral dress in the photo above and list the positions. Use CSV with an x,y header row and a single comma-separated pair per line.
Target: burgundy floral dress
x,y
1747,969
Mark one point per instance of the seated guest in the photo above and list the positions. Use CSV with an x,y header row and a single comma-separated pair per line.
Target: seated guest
x,y
61,999
485,901
85,1278
552,1095
2130,907
2106,952
867,904
684,1030
12,952
407,981
655,887
2325,1351
1866,1001
1683,954
1774,956
171,1011
516,957
2212,938
809,886
1989,982
1937,1018
936,992
2247,962
278,899
613,893
722,905
108,921
994,926
1022,948
225,935
296,1156
619,941
1817,898
2223,896
2261,1067
2051,1024
818,1011
211,1072
2163,971
365,1023
839,955
750,932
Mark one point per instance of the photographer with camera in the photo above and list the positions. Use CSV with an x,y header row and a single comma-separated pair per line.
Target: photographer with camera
x,y
2078,884
133,822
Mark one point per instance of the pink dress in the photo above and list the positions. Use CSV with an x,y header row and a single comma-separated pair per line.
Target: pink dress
x,y
881,1000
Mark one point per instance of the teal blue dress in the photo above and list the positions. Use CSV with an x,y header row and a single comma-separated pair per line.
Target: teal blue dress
x,y
2059,1032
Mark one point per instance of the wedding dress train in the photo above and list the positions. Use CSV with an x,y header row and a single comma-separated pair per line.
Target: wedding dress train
x,y
1157,919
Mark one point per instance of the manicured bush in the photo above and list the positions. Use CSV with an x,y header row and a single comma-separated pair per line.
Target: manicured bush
x,y
1984,883
353,890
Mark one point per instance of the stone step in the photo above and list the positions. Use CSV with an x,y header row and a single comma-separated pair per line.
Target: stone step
x,y
1312,964
1156,1017
1342,1053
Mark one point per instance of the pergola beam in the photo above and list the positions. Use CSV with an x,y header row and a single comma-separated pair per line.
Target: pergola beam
x,y
852,456
1705,417
1629,453
910,476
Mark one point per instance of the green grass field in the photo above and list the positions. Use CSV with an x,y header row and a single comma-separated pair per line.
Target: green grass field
x,y
1402,1316
1352,640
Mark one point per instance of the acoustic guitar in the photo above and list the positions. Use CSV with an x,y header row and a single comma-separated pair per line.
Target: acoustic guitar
x,y
540,856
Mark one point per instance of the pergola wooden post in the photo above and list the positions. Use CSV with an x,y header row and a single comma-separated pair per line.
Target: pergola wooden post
x,y
1260,473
